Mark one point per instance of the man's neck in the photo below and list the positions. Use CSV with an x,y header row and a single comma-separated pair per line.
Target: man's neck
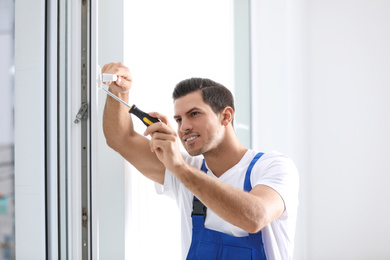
x,y
224,157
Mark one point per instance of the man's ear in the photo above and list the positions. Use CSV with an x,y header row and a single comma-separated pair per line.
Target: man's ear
x,y
227,115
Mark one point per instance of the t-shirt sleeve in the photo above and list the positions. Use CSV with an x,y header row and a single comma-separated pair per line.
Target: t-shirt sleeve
x,y
172,185
280,173
168,187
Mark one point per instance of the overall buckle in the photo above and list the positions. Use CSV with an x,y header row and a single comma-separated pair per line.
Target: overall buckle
x,y
198,208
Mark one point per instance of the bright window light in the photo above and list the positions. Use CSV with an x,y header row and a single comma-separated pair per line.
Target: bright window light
x,y
166,42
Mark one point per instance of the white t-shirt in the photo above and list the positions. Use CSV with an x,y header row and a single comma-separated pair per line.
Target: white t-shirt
x,y
272,169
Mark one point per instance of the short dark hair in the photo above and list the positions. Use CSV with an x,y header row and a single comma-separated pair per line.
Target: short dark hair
x,y
214,94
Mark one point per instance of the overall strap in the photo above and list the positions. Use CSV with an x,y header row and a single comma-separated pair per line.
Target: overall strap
x,y
199,210
247,182
204,168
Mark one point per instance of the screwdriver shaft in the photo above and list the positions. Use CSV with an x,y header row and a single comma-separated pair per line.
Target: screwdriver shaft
x,y
120,100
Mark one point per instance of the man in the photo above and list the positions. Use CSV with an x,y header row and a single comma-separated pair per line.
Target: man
x,y
235,203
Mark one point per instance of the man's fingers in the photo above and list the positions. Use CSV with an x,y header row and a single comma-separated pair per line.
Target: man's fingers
x,y
163,126
119,81
158,127
163,136
118,69
162,117
160,142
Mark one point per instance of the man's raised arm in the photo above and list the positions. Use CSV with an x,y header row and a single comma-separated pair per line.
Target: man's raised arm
x,y
119,130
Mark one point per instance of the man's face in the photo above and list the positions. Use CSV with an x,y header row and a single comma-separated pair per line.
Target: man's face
x,y
199,128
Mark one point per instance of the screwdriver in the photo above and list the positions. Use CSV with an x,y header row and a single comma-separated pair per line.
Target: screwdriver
x,y
144,117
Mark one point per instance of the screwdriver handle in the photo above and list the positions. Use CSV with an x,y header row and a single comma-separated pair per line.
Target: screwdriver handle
x,y
145,118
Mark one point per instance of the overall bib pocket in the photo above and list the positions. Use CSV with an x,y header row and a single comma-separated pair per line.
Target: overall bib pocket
x,y
214,251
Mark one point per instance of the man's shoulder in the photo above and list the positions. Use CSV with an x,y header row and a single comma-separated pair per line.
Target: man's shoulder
x,y
275,161
274,156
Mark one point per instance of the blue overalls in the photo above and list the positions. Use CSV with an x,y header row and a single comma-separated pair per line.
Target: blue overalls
x,y
209,244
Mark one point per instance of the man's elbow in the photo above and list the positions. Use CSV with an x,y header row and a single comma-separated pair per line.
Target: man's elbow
x,y
110,143
113,140
257,220
114,143
255,226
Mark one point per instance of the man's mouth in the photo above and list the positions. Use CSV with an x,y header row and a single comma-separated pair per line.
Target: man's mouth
x,y
191,138
188,139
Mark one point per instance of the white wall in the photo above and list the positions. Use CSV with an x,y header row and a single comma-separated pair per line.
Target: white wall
x,y
349,120
321,78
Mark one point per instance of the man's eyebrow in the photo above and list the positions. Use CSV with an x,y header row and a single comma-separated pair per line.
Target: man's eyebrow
x,y
188,112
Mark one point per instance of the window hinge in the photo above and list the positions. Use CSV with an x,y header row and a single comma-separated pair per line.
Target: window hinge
x,y
83,113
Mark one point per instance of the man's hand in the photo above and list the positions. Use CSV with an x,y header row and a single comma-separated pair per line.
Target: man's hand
x,y
123,83
165,143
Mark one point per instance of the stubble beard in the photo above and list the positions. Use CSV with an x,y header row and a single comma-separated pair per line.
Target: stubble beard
x,y
208,146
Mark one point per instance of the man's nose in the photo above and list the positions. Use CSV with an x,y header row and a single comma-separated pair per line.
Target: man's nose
x,y
185,126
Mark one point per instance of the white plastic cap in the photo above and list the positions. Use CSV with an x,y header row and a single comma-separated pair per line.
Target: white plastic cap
x,y
109,77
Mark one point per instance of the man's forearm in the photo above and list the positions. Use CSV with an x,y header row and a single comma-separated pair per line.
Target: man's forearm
x,y
235,206
117,122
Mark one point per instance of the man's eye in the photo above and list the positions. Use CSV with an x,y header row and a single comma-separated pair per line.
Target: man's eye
x,y
194,113
178,120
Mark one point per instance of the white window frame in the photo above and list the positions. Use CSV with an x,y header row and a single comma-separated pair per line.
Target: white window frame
x,y
48,162
30,203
